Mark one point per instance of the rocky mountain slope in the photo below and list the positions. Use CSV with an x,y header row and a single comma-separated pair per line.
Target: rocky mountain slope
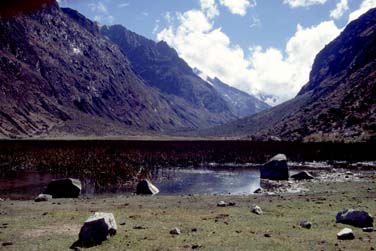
x,y
60,76
241,103
160,66
339,101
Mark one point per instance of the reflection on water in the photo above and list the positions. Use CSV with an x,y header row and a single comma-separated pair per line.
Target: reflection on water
x,y
28,184
207,181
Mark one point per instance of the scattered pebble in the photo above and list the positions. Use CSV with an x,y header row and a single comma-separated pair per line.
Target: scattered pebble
x,y
368,229
256,210
305,224
222,204
196,246
345,234
175,231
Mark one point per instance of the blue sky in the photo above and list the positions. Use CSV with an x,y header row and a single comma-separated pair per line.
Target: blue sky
x,y
259,46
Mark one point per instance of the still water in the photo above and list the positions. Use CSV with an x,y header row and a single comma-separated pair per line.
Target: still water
x,y
170,181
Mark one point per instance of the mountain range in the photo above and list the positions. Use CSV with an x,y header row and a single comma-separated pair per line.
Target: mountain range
x,y
337,104
62,75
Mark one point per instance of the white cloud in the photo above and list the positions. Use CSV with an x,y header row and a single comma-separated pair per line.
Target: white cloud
x,y
238,7
255,22
363,8
123,5
209,7
263,71
102,14
98,7
303,3
341,7
283,76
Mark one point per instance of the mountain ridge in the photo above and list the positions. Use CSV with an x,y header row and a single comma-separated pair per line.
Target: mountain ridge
x,y
59,75
337,104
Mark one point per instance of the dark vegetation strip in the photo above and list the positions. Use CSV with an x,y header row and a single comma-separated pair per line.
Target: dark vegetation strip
x,y
117,165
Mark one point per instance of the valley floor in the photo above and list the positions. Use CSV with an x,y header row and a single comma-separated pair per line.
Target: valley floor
x,y
144,223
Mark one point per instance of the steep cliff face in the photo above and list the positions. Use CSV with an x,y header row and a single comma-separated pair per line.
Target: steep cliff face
x,y
59,75
339,101
160,66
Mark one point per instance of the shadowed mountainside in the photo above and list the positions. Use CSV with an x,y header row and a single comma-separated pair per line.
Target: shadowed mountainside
x,y
339,101
60,76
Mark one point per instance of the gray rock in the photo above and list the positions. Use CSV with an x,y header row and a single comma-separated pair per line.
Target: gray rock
x,y
345,234
43,197
175,231
96,229
355,218
367,229
302,176
275,169
64,188
305,224
221,204
147,188
259,190
256,210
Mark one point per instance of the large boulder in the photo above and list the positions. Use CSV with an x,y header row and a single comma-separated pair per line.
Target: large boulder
x,y
302,176
275,169
146,187
64,188
355,218
96,229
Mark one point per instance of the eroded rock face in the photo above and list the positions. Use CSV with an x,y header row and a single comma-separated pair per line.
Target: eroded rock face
x,y
96,229
145,187
275,169
355,218
64,188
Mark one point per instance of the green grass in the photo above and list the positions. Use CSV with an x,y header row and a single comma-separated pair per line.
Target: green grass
x,y
55,225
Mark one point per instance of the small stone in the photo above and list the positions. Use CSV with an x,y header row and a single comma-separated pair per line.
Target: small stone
x,y
196,246
122,223
175,231
259,190
267,235
368,229
256,210
305,224
345,234
221,204
43,197
302,176
194,229
4,244
232,204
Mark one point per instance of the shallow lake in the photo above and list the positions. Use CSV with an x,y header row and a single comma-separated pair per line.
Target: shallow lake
x,y
170,181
